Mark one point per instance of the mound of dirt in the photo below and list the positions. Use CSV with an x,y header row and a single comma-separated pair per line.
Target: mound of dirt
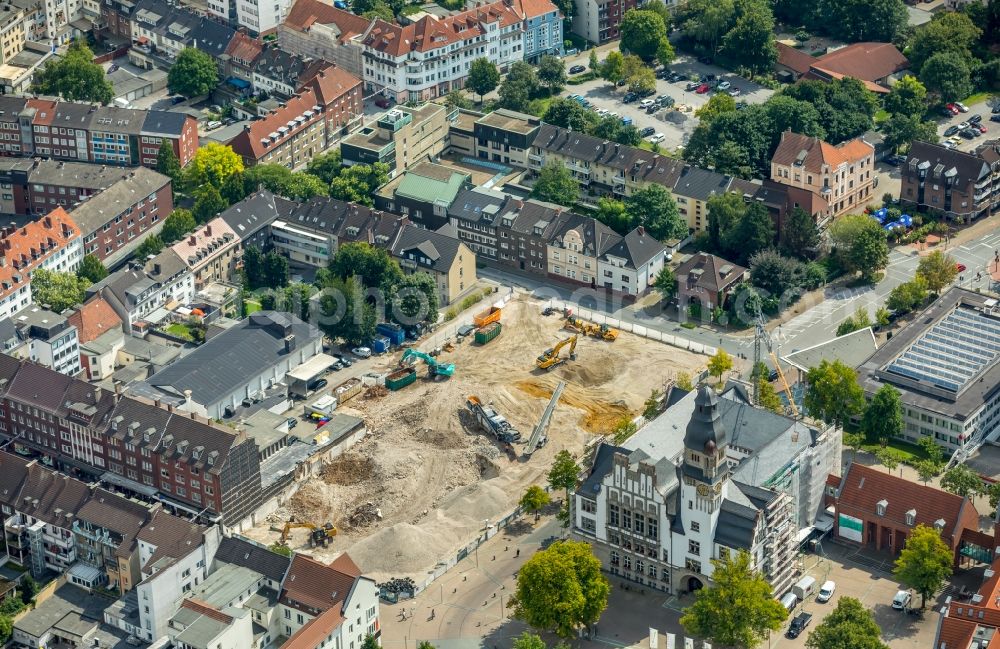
x,y
439,438
598,416
349,469
400,549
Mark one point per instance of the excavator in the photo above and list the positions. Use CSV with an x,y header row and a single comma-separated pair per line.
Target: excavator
x,y
319,535
411,356
601,331
550,357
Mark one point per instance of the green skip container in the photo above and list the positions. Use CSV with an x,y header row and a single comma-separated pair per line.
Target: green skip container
x,y
401,378
488,333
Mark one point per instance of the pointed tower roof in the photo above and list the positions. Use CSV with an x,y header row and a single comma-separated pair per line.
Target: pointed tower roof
x,y
705,432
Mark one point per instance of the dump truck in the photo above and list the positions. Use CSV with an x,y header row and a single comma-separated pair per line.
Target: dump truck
x,y
401,378
492,421
488,333
489,316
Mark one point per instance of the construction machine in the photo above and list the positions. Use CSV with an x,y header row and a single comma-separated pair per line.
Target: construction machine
x,y
550,357
318,535
608,333
492,421
434,368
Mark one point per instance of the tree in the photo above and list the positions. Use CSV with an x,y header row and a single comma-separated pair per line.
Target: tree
x,y
790,114
612,213
370,643
327,166
907,97
993,492
899,130
193,73
6,627
799,236
416,299
280,180
962,481
74,77
425,644
569,114
357,183
58,291
849,626
937,270
653,208
951,31
854,441
91,269
483,77
178,224
613,68
665,53
528,640
846,108
253,267
751,43
561,588
611,128
720,363
717,104
212,164
706,21
863,20
167,162
208,202
519,87
907,296
651,407
552,73
948,76
888,457
642,81
372,266
925,562
774,273
833,393
280,548
275,270
592,62
753,233
150,246
861,244
858,320
642,32
665,283
931,449
379,10
724,212
738,609
926,470
534,500
556,184
767,397
564,472
345,313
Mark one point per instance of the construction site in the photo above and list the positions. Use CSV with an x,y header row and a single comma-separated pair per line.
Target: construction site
x,y
451,450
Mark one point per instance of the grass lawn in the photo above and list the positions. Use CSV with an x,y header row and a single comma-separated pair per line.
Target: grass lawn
x,y
908,453
180,330
409,10
976,98
881,115
253,306
537,107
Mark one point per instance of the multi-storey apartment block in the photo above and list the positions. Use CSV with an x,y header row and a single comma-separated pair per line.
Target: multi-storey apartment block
x,y
958,185
53,243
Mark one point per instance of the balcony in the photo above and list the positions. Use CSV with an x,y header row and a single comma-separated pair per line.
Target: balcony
x,y
577,167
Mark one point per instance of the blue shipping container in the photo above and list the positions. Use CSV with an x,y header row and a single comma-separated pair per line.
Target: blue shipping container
x,y
380,345
393,332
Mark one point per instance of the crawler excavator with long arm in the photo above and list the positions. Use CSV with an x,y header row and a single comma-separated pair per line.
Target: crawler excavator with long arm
x,y
550,357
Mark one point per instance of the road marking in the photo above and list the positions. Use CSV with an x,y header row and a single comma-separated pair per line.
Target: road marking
x,y
609,641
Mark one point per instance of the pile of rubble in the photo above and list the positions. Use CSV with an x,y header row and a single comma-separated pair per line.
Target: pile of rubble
x,y
375,392
398,585
365,515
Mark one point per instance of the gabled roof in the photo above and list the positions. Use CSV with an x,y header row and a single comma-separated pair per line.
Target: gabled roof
x,y
256,211
701,184
13,472
94,319
440,249
812,153
477,204
173,537
240,552
272,131
51,497
331,83
164,122
244,48
934,158
596,237
315,586
794,59
304,13
135,186
709,272
863,488
285,67
25,248
636,248
864,61
736,525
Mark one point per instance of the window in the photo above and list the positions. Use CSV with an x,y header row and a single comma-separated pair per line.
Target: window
x,y
627,519
613,515
652,527
692,565
589,506
694,547
695,526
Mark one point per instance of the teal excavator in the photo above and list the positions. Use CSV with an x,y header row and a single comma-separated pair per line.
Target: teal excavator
x,y
435,368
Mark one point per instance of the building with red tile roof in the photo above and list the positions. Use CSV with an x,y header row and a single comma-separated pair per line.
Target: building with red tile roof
x,y
94,319
842,175
972,622
874,64
319,30
877,509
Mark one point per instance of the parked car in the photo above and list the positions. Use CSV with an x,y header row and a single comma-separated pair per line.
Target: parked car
x,y
894,160
799,624
995,118
335,366
653,108
646,132
996,109
734,92
292,422
967,134
979,127
577,69
344,360
693,85
724,85
646,103
629,97
901,600
382,102
707,77
826,591
666,101
659,137
647,92
946,112
975,119
961,107
951,130
963,125
960,268
362,352
317,384
953,108
176,99
703,88
948,144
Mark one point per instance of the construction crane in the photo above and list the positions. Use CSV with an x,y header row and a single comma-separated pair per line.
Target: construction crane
x,y
435,368
550,357
318,535
761,336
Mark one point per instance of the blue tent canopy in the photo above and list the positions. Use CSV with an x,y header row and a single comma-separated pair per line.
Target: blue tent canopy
x,y
239,84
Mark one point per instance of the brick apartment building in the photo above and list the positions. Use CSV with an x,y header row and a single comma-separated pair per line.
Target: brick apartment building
x,y
598,21
188,463
90,133
956,184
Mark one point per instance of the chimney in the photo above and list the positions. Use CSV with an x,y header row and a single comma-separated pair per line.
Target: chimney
x,y
208,230
156,269
193,240
289,343
187,397
642,231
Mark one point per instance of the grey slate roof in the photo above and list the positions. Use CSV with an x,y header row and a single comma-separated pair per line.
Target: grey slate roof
x,y
852,349
736,525
636,248
240,552
139,183
440,249
603,461
701,184
221,365
477,204
256,211
164,122
597,238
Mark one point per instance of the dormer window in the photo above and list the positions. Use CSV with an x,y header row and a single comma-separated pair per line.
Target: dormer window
x,y
881,506
911,517
939,524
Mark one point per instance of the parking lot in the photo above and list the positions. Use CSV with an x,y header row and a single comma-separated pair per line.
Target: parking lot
x,y
963,144
678,123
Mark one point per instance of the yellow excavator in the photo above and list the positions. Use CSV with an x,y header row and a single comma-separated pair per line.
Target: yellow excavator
x,y
318,536
608,333
550,357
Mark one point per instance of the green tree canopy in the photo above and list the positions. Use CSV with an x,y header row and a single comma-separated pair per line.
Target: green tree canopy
x,y
754,232
346,313
720,363
520,85
962,481
59,291
91,269
767,397
883,416
193,73
327,166
642,32
528,640
665,283
861,244
167,162
564,473
281,180
178,224
717,104
373,266
738,609
74,77
937,270
275,270
552,73
556,184
613,68
949,31
569,114
653,208
151,245
907,296
483,77
799,235
705,22
612,213
358,182
907,97
925,562
899,130
212,164
416,299
534,499
863,20
561,588
849,626
833,393
208,202
948,76
750,43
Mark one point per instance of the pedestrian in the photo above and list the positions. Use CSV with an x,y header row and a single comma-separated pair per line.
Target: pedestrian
x,y
518,553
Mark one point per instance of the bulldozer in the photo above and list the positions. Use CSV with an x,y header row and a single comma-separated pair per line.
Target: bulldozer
x,y
550,357
318,535
608,333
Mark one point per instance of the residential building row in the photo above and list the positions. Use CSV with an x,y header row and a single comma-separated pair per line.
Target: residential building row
x,y
961,186
427,58
660,507
91,133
